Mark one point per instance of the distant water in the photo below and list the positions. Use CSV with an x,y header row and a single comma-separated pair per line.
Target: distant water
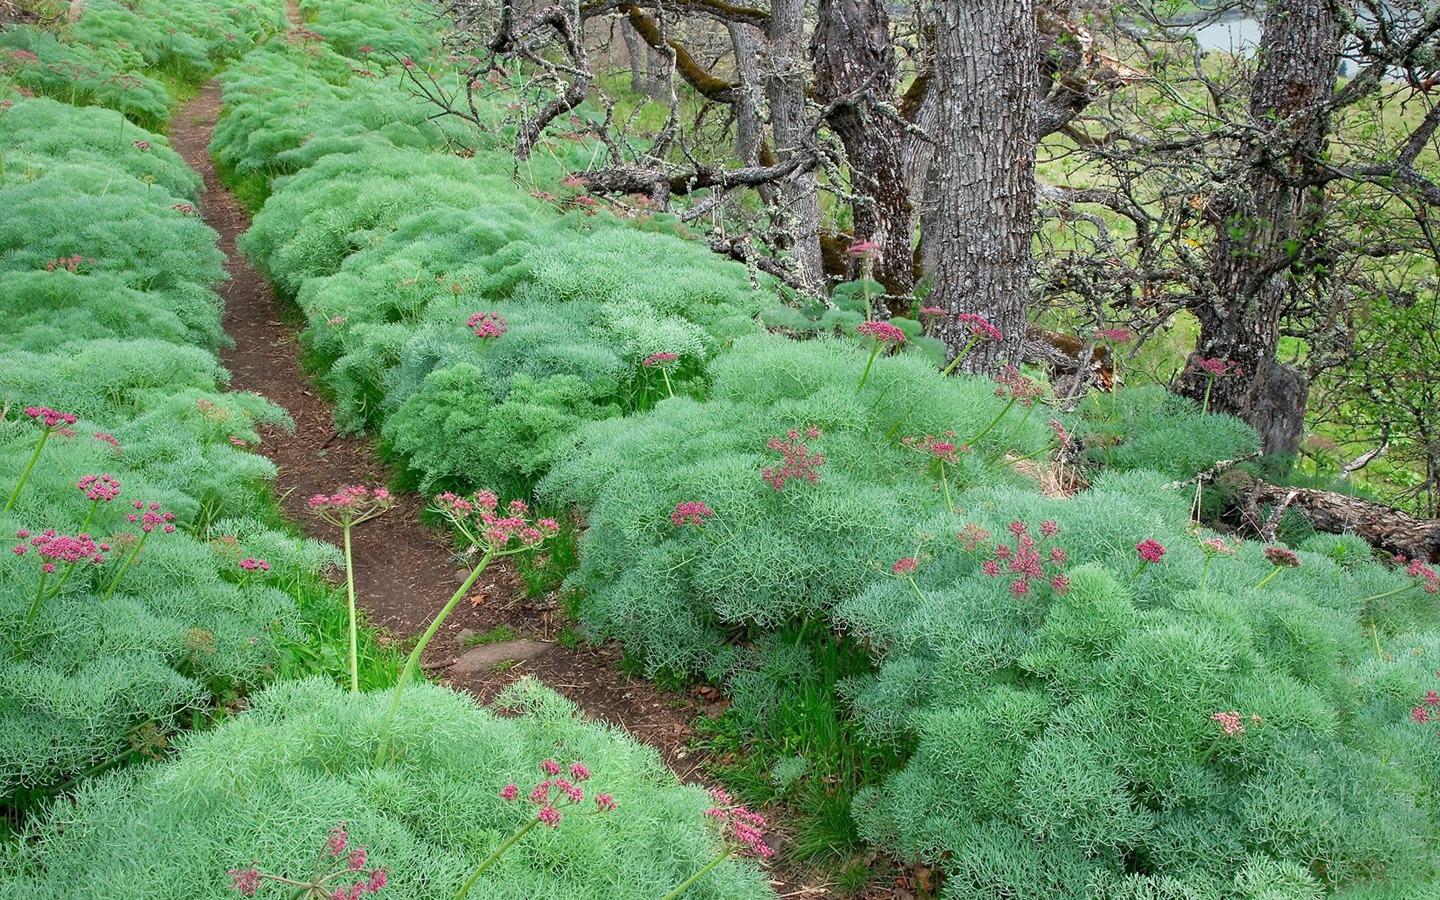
x,y
1239,36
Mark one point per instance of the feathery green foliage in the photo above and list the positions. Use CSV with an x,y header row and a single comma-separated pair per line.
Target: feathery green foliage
x,y
268,785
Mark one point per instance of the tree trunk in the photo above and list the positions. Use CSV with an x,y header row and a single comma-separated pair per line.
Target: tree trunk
x,y
984,171
746,45
855,60
798,224
1265,225
635,49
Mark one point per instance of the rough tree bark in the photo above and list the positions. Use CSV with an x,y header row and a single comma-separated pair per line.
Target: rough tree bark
x,y
1266,224
748,127
636,50
984,171
855,71
785,75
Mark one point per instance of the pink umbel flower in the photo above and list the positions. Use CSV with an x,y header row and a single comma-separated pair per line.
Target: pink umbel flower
x,y
1118,335
488,325
142,146
742,831
1028,560
943,448
251,564
50,418
663,358
1150,550
351,506
690,513
1416,568
905,567
799,462
881,332
99,488
980,327
150,516
1016,388
1217,368
335,861
111,440
510,792
1282,557
54,547
478,517
860,248
1230,722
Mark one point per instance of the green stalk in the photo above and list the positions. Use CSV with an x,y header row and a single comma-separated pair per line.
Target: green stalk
x,y
1376,638
911,579
509,842
668,389
1205,574
864,376
94,504
125,565
1273,572
25,475
945,486
690,882
34,609
413,663
1136,573
993,422
1209,383
350,600
964,352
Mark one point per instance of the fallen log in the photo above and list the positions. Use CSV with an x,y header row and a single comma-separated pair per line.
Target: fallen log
x,y
1384,527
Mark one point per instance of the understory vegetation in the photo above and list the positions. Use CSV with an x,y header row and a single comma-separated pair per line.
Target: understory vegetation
x,y
956,623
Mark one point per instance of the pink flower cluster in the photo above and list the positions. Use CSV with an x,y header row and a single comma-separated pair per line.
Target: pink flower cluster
x,y
1217,368
251,564
882,332
99,487
49,417
980,326
496,529
184,209
1016,388
1150,550
739,827
905,567
152,516
557,792
111,440
142,146
690,513
1231,723
1416,568
946,451
1027,560
488,325
1422,713
799,461
68,263
973,537
54,547
353,865
1062,437
1282,557
351,506
1218,547
860,248
663,358
1118,335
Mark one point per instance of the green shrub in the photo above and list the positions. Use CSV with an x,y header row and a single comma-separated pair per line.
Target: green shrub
x,y
266,787
1152,429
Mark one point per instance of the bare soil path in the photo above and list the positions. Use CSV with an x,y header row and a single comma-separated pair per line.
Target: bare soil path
x,y
404,572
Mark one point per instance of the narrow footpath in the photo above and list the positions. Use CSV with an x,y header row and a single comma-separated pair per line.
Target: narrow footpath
x,y
404,572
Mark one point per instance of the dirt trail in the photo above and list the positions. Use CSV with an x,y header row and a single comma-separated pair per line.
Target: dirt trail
x,y
404,572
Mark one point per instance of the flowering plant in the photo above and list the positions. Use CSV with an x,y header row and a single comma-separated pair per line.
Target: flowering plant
x,y
336,863
740,830
49,420
799,461
345,509
149,516
884,335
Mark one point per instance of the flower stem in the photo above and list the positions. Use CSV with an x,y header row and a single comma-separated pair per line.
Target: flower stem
x,y
864,376
413,663
1209,383
499,851
125,565
1273,572
1376,638
690,882
911,579
668,389
964,352
993,422
30,616
25,475
1205,574
945,487
350,600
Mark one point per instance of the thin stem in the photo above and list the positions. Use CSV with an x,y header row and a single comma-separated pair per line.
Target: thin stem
x,y
34,609
911,579
1376,638
1205,574
350,600
864,376
499,851
964,352
25,475
690,882
94,505
1209,383
668,389
125,565
413,663
945,487
55,591
993,422
1273,572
